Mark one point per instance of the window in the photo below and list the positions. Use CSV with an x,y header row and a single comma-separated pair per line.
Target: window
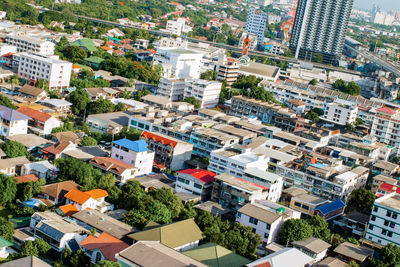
x,y
238,215
268,226
386,223
373,218
371,227
383,232
394,216
253,220
199,186
253,230
297,204
266,235
389,234
389,214
375,209
181,180
391,225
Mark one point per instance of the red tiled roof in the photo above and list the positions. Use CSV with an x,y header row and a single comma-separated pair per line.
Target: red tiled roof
x,y
107,244
202,175
386,110
389,188
69,209
297,102
106,48
243,180
26,178
58,190
77,196
34,114
111,164
158,138
56,149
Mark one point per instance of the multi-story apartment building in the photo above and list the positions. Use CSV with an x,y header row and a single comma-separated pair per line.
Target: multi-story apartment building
x,y
13,122
169,152
31,45
384,223
255,23
171,88
327,177
56,72
135,153
207,92
179,63
205,140
228,70
7,49
340,112
386,127
166,42
195,181
178,26
233,192
266,218
320,27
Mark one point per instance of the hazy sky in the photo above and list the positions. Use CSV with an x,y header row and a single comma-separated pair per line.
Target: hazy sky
x,y
384,4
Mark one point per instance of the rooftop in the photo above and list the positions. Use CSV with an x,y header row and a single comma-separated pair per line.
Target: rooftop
x,y
392,200
110,164
261,213
107,244
215,208
137,146
353,251
315,245
202,175
29,140
240,183
12,162
285,257
265,175
311,199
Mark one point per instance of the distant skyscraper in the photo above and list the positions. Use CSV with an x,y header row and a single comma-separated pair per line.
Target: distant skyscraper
x,y
255,24
320,28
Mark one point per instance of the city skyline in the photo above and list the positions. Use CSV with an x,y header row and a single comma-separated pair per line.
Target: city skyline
x,y
386,5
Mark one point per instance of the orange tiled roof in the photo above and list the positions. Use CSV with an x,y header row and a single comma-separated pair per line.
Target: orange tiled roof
x,y
97,193
77,196
106,48
26,178
34,114
158,138
107,244
69,209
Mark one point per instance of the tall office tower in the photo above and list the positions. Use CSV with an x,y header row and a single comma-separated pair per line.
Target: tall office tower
x,y
320,28
255,23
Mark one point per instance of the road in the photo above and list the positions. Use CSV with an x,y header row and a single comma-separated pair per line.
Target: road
x,y
225,46
385,65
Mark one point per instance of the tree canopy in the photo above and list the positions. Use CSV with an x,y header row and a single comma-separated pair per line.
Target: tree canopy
x,y
8,189
295,230
79,99
6,229
89,141
14,149
192,100
362,200
350,88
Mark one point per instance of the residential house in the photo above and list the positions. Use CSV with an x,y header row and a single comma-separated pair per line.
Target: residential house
x,y
86,44
157,101
122,170
42,169
56,231
26,261
195,181
68,136
169,152
351,252
56,192
13,122
12,166
55,151
266,218
102,247
214,255
306,203
94,61
108,123
180,236
32,92
135,153
62,107
313,247
353,222
214,208
41,123
380,179
385,168
26,178
32,142
330,210
102,223
154,254
4,244
85,153
155,181
233,192
92,199
286,257
97,93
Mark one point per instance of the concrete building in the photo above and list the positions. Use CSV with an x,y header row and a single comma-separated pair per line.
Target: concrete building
x,y
6,48
228,70
386,127
135,153
122,170
171,88
195,181
166,42
41,123
340,112
178,63
313,247
205,140
313,33
253,41
31,45
13,122
255,23
178,26
266,218
56,72
207,92
108,123
384,223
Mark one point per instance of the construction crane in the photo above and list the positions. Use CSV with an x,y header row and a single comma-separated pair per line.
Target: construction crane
x,y
246,45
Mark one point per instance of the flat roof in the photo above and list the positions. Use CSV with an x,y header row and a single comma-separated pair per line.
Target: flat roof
x,y
269,176
260,69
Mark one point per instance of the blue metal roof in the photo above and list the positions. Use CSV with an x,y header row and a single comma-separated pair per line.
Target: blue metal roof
x,y
334,205
137,146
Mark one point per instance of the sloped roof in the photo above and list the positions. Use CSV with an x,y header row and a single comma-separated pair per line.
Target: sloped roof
x,y
259,213
57,148
214,255
12,115
353,251
94,59
137,146
4,243
111,164
35,114
286,257
107,244
159,138
12,162
87,43
67,136
204,176
69,209
77,196
97,193
26,178
312,244
30,90
386,110
334,205
58,190
31,261
172,235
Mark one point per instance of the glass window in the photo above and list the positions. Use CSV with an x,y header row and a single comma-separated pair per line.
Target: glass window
x,y
394,216
253,220
383,232
375,209
181,180
386,223
388,214
389,234
268,226
391,225
373,218
266,235
371,227
199,186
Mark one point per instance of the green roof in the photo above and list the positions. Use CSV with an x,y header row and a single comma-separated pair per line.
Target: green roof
x,y
4,243
94,59
21,221
171,235
86,43
214,255
114,39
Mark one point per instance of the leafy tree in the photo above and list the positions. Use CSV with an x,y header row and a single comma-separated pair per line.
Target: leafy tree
x,y
126,95
362,200
42,84
78,171
8,189
317,57
295,230
311,115
74,53
188,212
313,82
5,101
351,88
106,263
320,228
14,149
120,107
79,99
6,229
353,241
192,100
141,93
167,197
77,258
100,106
210,75
390,254
27,190
89,141
28,248
352,264
131,134
13,79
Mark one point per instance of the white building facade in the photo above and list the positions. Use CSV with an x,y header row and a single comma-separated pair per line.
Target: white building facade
x,y
255,23
171,88
340,112
178,26
31,45
207,92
